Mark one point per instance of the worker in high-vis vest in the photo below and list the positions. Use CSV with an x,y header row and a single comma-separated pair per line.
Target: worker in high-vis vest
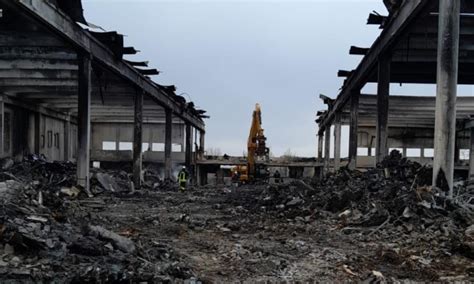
x,y
183,179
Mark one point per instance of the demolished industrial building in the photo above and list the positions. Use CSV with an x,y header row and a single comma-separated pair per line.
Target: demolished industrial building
x,y
91,147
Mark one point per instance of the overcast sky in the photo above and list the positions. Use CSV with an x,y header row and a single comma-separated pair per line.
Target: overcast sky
x,y
229,55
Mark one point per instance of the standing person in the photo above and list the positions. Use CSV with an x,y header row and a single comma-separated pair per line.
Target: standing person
x,y
277,176
183,179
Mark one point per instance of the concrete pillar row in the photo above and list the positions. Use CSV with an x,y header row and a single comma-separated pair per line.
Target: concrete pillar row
x,y
84,120
447,80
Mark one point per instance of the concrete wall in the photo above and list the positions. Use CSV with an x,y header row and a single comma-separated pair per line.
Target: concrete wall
x,y
111,142
26,129
414,143
21,135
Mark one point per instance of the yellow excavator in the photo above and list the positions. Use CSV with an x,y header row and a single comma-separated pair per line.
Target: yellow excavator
x,y
258,153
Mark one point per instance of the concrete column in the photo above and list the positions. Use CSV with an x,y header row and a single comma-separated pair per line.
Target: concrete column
x,y
457,150
383,92
353,137
202,146
2,127
369,153
67,139
168,143
327,148
138,140
84,120
189,146
471,157
320,147
447,80
337,142
38,133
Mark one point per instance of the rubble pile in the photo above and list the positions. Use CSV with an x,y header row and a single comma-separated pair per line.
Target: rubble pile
x,y
47,232
393,203
397,191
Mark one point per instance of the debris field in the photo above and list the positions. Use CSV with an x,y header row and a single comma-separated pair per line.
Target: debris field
x,y
385,225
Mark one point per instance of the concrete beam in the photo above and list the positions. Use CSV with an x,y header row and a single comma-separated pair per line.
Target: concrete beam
x,y
84,121
353,130
383,92
389,36
168,143
50,17
138,140
447,78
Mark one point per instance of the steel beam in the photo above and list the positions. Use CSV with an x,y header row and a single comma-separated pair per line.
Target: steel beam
x,y
447,80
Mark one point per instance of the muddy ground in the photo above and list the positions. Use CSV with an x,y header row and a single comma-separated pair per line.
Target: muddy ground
x,y
221,238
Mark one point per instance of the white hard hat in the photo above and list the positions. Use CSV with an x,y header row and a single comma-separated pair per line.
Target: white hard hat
x,y
184,167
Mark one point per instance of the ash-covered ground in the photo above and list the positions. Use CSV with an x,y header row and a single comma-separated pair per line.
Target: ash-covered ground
x,y
383,225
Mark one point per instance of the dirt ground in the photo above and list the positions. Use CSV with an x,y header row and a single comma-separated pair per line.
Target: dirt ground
x,y
222,237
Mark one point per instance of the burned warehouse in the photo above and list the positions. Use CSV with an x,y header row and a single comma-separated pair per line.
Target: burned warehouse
x,y
111,174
